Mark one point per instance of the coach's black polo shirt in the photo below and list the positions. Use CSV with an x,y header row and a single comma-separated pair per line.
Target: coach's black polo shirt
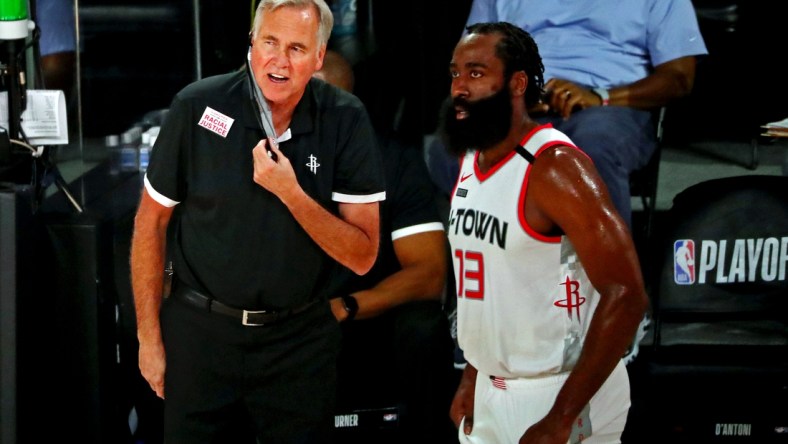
x,y
232,238
410,208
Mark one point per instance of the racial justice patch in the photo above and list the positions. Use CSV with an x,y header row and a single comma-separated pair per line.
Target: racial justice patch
x,y
215,122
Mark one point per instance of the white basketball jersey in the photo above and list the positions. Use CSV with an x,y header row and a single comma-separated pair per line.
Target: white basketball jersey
x,y
524,302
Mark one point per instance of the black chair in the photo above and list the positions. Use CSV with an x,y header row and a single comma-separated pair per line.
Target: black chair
x,y
644,181
395,378
719,359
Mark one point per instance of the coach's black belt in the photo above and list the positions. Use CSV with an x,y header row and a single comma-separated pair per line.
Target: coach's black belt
x,y
252,318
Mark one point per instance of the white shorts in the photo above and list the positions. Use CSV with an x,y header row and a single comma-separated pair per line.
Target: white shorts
x,y
503,415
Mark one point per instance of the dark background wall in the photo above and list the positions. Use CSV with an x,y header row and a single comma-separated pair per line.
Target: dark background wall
x,y
737,84
138,54
135,56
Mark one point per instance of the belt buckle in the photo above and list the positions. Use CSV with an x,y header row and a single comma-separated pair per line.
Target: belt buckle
x,y
245,318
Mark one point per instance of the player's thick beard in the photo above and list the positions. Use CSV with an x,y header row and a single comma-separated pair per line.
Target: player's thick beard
x,y
488,122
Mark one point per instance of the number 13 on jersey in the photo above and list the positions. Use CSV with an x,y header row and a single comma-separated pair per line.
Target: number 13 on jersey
x,y
470,274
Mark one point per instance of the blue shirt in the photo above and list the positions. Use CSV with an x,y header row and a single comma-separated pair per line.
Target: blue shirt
x,y
601,43
56,20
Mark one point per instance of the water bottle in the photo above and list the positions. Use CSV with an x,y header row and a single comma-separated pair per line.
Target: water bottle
x,y
144,152
128,151
154,133
112,144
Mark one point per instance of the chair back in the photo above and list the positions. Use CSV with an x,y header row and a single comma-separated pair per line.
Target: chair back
x,y
643,182
722,280
719,359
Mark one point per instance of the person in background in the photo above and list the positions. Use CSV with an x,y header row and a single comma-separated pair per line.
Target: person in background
x,y
57,45
609,65
336,71
259,222
549,288
396,344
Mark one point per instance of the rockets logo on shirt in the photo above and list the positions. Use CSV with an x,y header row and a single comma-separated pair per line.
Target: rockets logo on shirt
x,y
728,261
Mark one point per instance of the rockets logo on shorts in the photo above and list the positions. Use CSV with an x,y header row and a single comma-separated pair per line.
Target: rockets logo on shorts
x,y
215,122
684,262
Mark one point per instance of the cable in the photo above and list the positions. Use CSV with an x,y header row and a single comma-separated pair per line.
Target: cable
x,y
49,168
26,145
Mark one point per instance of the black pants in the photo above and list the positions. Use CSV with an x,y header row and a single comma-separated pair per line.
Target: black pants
x,y
402,358
224,380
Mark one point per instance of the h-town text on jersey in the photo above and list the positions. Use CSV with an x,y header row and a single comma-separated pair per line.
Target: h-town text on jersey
x,y
480,225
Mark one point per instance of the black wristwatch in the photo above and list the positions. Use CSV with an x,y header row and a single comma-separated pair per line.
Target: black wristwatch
x,y
351,306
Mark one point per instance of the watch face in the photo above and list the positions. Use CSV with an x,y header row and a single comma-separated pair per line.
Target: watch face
x,y
351,306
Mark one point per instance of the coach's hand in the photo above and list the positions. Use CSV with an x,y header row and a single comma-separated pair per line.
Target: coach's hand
x,y
274,173
462,405
152,365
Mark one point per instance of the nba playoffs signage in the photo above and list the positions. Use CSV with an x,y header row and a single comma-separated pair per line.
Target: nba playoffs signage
x,y
728,261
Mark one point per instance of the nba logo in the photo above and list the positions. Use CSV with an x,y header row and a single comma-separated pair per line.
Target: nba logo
x,y
684,262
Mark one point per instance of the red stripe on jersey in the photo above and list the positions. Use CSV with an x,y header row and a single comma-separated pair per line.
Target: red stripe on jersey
x,y
498,382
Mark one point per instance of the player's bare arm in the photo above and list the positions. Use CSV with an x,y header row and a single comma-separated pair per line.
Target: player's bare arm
x,y
463,402
421,277
566,194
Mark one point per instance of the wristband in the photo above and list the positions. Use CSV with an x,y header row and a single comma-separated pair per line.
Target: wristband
x,y
351,306
603,94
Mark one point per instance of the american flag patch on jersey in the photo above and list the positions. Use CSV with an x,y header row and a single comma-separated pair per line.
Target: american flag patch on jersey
x,y
498,382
